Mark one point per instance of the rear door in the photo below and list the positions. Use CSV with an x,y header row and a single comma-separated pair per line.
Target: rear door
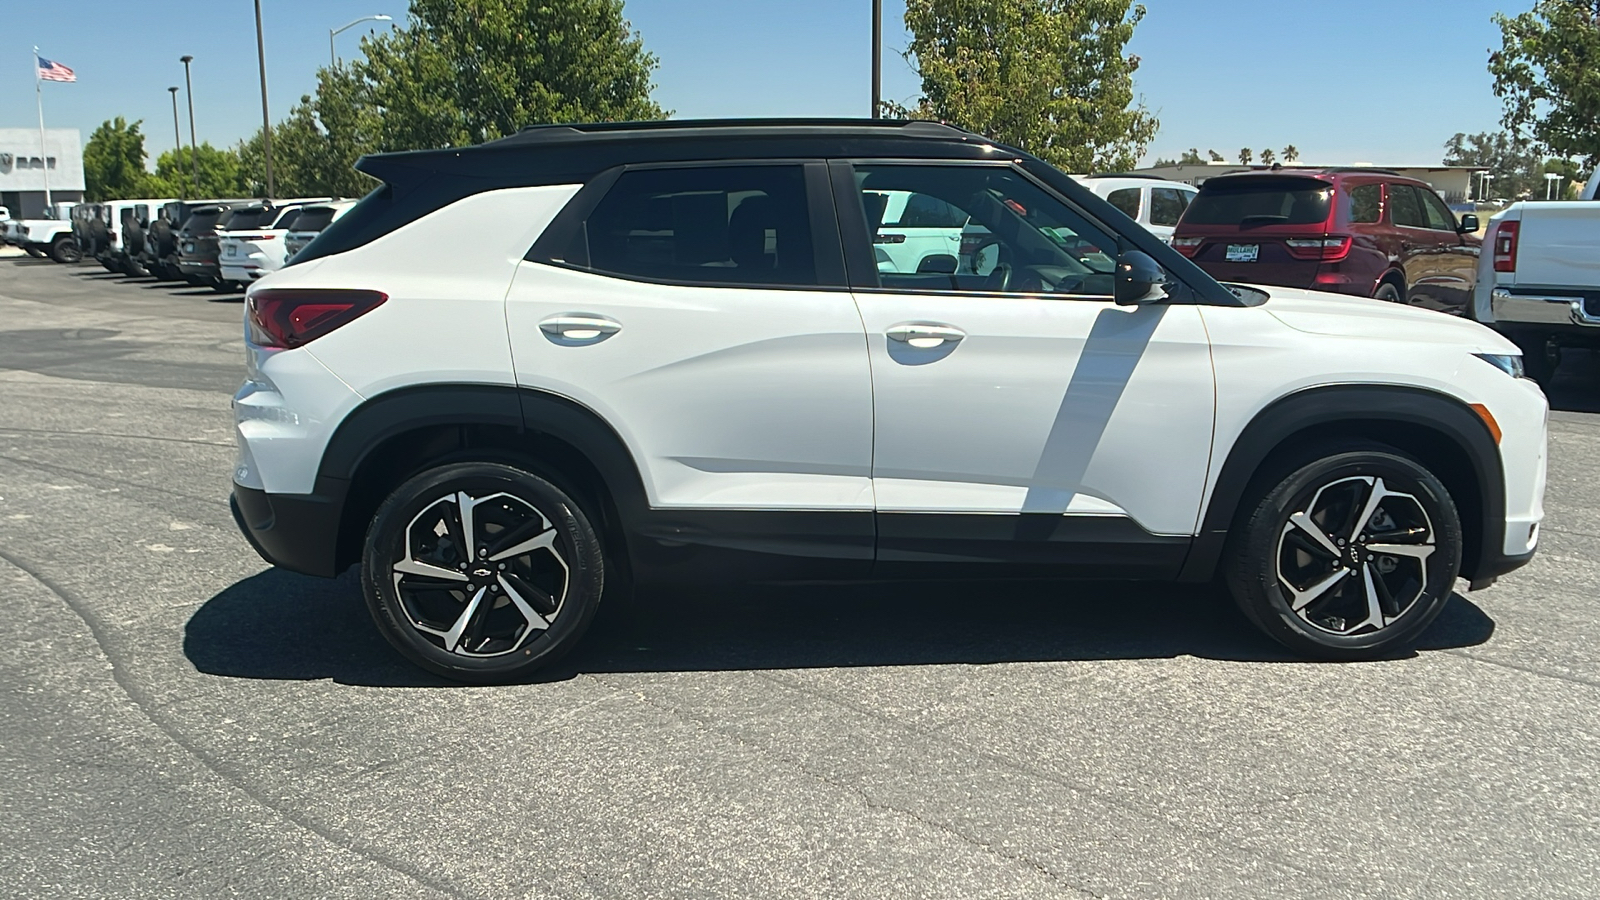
x,y
1453,265
1243,226
702,311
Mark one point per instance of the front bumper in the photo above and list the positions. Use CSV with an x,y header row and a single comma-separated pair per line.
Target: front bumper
x,y
298,532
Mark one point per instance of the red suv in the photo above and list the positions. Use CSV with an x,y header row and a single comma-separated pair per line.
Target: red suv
x,y
1367,232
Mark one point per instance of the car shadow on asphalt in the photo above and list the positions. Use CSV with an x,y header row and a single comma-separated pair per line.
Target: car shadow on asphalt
x,y
278,625
1576,386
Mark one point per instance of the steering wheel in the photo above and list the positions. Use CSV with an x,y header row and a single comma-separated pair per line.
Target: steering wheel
x,y
999,278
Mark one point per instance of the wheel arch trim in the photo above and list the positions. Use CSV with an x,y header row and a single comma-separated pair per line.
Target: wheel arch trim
x,y
1303,413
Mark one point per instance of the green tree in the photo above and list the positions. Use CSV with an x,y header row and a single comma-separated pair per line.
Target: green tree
x,y
466,71
1547,73
1268,157
1245,156
1051,77
1291,154
1191,157
113,162
220,177
1514,164
1215,156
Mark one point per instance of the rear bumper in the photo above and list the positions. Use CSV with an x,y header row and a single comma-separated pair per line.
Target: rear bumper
x,y
298,532
1541,309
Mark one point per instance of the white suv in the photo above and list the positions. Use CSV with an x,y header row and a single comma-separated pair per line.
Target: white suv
x,y
1153,202
668,353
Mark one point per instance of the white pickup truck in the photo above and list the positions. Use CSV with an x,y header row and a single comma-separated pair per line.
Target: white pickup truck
x,y
50,236
1539,277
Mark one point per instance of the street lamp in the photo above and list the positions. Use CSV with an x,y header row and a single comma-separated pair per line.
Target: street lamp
x,y
266,118
334,60
177,136
194,149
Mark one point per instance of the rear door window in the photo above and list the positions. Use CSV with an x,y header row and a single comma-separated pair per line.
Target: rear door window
x,y
1266,200
707,225
1366,204
1405,208
1126,200
1167,205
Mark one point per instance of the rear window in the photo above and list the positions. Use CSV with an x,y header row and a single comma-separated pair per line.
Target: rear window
x,y
373,216
313,218
1261,201
202,220
249,217
288,219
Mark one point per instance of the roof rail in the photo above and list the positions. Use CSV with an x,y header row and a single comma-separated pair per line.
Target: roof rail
x,y
536,134
1148,175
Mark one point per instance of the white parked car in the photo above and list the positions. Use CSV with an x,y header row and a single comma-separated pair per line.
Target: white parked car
x,y
673,361
252,246
1155,203
312,220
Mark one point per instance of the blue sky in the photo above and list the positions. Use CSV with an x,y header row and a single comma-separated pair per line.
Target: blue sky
x,y
1384,81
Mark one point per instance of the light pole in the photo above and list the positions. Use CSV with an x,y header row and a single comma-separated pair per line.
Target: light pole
x,y
177,136
1550,179
266,118
333,60
194,148
877,57
1488,179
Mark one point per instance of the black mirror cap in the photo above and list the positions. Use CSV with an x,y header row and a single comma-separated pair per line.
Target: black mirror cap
x,y
1469,224
1138,279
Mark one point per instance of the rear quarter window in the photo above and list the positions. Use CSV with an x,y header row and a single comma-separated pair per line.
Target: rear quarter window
x,y
1126,200
1365,204
1167,205
1261,201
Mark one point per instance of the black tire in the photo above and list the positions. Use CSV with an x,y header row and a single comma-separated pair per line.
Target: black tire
x,y
1292,587
1388,293
419,610
65,250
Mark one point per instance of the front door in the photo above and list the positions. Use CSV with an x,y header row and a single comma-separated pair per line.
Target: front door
x,y
1021,416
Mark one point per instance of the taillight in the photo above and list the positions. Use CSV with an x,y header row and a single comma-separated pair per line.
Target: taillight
x,y
1328,249
1187,246
292,317
1505,246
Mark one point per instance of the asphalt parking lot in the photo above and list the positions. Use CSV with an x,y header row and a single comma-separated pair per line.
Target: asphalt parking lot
x,y
179,720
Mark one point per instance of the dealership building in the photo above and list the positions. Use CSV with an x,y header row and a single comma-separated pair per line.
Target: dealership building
x,y
23,169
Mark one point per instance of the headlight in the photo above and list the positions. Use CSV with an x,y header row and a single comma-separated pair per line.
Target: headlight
x,y
1509,363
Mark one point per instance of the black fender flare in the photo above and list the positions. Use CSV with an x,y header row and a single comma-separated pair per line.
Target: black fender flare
x,y
1364,408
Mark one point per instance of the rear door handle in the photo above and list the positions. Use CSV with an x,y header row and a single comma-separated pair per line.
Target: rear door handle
x,y
582,328
924,335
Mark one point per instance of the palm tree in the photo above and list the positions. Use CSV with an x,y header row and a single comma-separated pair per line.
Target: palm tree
x,y
1267,156
1245,156
1291,153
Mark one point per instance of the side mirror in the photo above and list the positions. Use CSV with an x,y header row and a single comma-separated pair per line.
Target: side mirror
x,y
1139,279
1469,224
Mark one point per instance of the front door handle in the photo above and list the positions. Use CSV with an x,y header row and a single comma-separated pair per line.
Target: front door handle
x,y
924,336
580,328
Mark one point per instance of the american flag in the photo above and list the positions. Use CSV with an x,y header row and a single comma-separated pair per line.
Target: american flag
x,y
50,70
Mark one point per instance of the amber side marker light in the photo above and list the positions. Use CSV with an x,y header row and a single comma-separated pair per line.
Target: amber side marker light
x,y
1488,421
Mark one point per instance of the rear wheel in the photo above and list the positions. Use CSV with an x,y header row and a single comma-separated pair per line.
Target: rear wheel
x,y
482,572
1388,292
1349,556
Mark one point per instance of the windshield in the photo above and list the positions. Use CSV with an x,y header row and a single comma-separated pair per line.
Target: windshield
x,y
1256,200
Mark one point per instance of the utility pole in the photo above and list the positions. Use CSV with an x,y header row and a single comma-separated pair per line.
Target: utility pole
x,y
266,119
194,148
877,58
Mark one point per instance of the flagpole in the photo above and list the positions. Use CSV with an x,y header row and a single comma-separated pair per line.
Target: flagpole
x,y
44,151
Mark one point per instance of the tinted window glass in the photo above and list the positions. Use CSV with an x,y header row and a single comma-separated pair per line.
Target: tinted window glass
x,y
202,220
314,218
1261,201
1438,215
364,222
1404,208
734,225
249,217
1019,239
1366,204
288,219
1126,200
1167,205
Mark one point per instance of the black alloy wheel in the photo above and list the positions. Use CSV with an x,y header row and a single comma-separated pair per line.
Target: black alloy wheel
x,y
482,572
1350,556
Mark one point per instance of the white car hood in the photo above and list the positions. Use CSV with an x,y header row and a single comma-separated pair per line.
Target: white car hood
x,y
1315,312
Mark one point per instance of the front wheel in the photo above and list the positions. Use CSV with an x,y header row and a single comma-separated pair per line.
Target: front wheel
x,y
65,250
1349,556
482,572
